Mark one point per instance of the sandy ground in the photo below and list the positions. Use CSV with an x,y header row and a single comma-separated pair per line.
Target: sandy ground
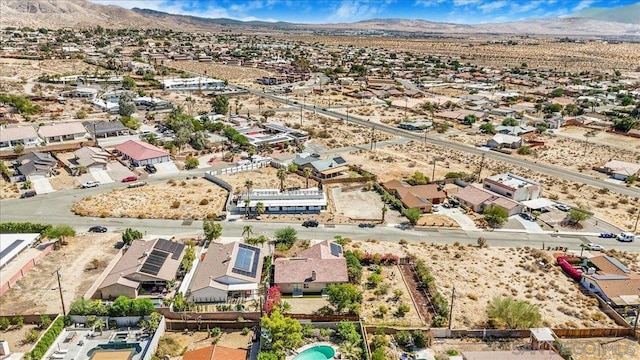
x,y
603,348
480,274
219,71
176,199
15,338
264,178
8,190
199,339
26,69
38,291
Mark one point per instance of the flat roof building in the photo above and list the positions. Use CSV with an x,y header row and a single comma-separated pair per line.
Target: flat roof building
x,y
301,201
513,186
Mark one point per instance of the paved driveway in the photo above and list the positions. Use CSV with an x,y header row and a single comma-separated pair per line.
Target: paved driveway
x,y
459,216
42,186
166,168
101,176
529,226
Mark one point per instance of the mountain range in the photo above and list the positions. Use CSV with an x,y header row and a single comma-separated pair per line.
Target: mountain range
x,y
622,21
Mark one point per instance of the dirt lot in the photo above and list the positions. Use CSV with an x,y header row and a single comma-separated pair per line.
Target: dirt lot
x,y
176,199
236,74
603,348
369,203
26,69
199,339
8,190
15,338
264,178
493,271
38,291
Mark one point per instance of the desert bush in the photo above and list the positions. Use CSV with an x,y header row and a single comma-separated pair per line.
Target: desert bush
x,y
204,202
175,204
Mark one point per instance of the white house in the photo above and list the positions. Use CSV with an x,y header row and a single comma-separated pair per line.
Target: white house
x,y
227,272
312,200
513,187
500,141
197,83
60,132
25,135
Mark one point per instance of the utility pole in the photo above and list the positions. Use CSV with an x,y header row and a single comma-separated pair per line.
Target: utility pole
x,y
635,228
64,310
347,114
372,136
453,294
481,165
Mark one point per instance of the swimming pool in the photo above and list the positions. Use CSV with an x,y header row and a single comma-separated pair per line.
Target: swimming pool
x,y
116,346
322,352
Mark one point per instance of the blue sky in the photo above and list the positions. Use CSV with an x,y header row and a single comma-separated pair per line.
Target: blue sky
x,y
336,11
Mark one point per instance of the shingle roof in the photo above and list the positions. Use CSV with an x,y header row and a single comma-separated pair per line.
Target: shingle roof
x,y
36,162
103,127
215,352
473,195
139,150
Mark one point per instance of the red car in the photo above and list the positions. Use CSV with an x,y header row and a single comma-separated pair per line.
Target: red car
x,y
130,179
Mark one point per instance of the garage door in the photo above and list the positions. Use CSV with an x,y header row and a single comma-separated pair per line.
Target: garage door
x,y
100,175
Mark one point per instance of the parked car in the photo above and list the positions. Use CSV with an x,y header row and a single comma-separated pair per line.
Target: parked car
x,y
563,207
626,237
366,225
90,184
435,208
315,155
594,247
98,229
607,235
310,223
28,194
150,168
130,179
527,217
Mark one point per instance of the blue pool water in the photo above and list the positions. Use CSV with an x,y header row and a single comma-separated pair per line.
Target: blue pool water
x,y
116,346
321,352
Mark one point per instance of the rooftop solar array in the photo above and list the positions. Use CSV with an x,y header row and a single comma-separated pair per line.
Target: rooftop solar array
x,y
154,262
175,248
246,261
339,160
336,249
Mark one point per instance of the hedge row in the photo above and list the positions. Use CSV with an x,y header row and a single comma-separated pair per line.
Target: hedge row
x,y
439,302
47,339
23,228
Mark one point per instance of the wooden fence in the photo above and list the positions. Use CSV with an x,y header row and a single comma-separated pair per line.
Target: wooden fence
x,y
587,333
214,316
325,318
194,325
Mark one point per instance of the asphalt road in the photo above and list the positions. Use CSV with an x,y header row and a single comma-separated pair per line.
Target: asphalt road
x,y
541,168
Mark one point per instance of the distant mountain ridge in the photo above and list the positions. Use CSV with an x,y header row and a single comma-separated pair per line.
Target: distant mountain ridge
x,y
629,14
81,13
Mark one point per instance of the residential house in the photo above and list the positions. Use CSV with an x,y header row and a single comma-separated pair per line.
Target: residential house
x,y
301,201
82,93
478,199
146,267
500,141
140,153
513,187
91,157
104,129
197,83
215,352
612,281
60,132
227,272
621,170
36,164
421,197
516,130
322,168
416,125
25,135
312,270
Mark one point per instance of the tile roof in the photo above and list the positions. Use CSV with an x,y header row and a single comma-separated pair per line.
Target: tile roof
x,y
140,150
474,195
318,258
416,196
215,352
61,129
217,267
17,133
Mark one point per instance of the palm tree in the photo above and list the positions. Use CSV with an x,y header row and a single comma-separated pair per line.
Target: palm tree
x,y
307,174
246,207
350,350
247,231
99,323
248,184
259,208
384,212
282,175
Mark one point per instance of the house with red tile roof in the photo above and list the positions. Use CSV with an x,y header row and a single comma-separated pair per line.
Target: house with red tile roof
x,y
312,270
140,153
215,352
421,197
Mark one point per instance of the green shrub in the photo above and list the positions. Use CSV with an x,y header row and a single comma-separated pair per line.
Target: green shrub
x,y
4,324
403,338
47,339
23,228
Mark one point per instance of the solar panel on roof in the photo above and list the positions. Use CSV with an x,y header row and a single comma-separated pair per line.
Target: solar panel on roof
x,y
154,262
339,160
175,248
10,248
336,249
246,261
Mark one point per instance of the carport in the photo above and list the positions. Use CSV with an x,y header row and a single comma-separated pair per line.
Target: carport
x,y
538,204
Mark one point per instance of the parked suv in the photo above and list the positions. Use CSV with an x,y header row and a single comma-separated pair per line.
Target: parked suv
x,y
90,184
626,237
150,168
28,194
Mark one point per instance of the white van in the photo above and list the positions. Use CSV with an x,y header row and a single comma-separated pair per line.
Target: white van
x,y
626,237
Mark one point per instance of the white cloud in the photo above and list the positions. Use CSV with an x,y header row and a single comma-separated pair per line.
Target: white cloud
x,y
465,2
428,3
350,10
491,6
525,7
583,5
